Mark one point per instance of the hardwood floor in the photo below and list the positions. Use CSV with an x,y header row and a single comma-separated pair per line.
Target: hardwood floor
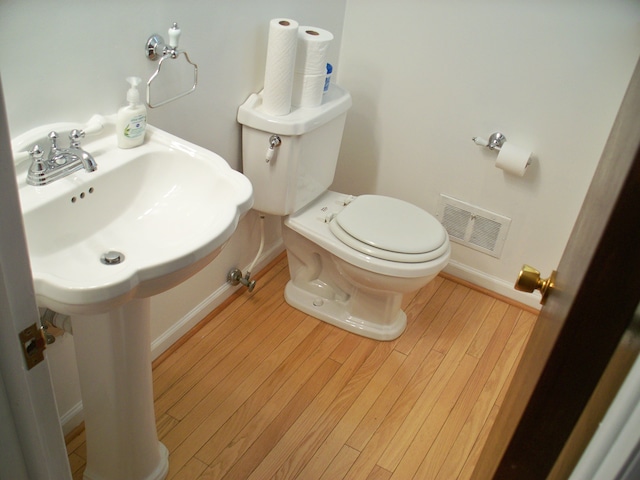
x,y
264,391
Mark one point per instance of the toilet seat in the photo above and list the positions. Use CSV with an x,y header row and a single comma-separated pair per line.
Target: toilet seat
x,y
314,223
390,229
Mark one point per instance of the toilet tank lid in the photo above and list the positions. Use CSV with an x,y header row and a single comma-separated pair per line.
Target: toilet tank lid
x,y
300,120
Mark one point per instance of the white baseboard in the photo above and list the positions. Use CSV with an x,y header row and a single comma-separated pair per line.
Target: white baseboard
x,y
72,418
494,284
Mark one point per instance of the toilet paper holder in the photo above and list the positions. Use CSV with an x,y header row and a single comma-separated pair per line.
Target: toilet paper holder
x,y
511,159
495,142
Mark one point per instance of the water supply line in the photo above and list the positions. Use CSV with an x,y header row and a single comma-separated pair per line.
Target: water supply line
x,y
234,277
255,260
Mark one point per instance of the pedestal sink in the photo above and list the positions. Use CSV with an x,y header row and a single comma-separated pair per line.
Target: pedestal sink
x,y
100,244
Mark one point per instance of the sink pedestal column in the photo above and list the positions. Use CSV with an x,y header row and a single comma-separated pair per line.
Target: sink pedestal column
x,y
113,352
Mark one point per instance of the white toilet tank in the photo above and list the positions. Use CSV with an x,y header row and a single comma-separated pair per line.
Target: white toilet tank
x,y
302,167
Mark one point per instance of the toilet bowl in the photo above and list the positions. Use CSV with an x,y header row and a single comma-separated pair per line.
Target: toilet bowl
x,y
334,247
351,259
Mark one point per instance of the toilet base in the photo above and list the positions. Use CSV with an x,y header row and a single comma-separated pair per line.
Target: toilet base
x,y
335,313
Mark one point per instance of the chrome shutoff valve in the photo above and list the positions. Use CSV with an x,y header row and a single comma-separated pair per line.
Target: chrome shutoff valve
x,y
234,277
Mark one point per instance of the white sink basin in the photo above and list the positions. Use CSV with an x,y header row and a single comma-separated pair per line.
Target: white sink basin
x,y
168,206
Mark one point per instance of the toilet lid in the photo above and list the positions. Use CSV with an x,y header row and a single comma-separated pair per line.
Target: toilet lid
x,y
391,229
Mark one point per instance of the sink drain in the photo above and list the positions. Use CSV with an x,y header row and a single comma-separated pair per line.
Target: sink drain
x,y
112,257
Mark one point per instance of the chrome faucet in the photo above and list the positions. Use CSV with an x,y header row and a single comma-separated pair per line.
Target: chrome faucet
x,y
60,162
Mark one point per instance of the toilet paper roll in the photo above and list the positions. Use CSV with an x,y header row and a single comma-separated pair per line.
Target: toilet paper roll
x,y
311,55
307,89
281,58
512,159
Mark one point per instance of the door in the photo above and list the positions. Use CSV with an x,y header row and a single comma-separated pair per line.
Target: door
x,y
32,442
597,289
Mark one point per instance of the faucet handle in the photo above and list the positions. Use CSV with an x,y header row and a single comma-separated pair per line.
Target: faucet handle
x,y
74,137
37,164
36,152
53,136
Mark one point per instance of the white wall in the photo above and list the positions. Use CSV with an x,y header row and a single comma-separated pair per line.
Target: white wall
x,y
67,60
426,76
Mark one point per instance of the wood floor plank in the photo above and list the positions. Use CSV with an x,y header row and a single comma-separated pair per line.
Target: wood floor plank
x,y
260,390
467,435
193,469
231,332
219,390
397,386
205,336
345,349
246,424
467,312
486,332
416,324
297,433
78,475
341,464
379,360
76,462
380,440
76,444
379,473
422,313
233,361
385,401
471,393
164,424
434,421
521,335
463,326
280,425
184,345
227,397
472,459
358,408
445,314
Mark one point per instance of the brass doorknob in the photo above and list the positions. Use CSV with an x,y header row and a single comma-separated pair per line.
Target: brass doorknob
x,y
529,280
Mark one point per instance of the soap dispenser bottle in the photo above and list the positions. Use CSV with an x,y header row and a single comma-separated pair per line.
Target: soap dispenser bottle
x,y
132,118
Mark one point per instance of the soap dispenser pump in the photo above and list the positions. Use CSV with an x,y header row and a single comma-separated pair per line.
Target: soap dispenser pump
x,y
132,118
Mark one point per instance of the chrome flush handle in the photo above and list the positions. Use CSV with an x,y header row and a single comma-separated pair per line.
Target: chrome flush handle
x,y
274,142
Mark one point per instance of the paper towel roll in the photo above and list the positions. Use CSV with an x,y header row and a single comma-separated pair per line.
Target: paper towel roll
x,y
281,58
311,55
307,90
512,159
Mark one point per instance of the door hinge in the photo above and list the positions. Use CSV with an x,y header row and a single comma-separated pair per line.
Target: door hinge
x,y
33,345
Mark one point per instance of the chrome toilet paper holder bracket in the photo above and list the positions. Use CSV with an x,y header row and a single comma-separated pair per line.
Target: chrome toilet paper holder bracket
x,y
511,159
156,48
495,142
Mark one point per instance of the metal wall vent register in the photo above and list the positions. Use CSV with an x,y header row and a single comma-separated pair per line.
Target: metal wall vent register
x,y
473,226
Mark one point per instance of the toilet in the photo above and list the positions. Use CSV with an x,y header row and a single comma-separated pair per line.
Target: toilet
x,y
351,258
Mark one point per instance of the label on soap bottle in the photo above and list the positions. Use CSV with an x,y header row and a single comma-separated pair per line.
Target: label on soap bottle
x,y
136,126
